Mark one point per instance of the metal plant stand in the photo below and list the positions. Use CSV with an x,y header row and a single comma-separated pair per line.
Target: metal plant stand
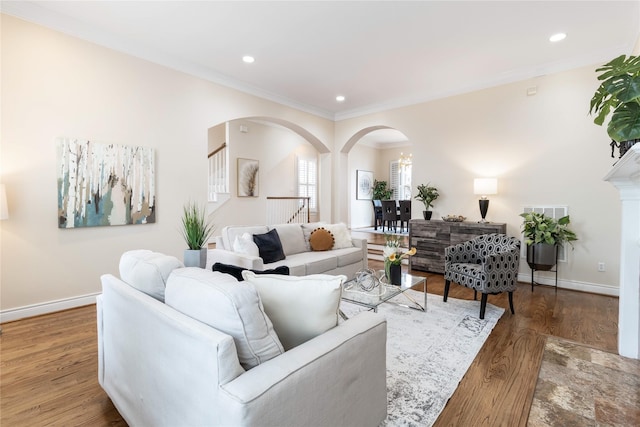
x,y
533,270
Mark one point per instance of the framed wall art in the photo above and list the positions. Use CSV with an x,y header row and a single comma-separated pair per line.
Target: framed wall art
x,y
364,189
248,178
104,184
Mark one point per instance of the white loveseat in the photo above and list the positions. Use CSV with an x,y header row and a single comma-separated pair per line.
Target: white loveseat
x,y
166,366
348,256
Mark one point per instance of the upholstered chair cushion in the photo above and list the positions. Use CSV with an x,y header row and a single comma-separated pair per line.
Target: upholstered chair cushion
x,y
488,263
301,308
232,307
148,271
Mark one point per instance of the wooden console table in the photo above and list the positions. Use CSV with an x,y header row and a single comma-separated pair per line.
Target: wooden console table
x,y
430,238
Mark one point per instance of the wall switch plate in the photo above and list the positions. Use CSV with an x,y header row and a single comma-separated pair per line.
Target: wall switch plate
x,y
601,266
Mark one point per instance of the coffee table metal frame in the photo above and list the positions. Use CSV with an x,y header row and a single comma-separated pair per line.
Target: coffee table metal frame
x,y
372,300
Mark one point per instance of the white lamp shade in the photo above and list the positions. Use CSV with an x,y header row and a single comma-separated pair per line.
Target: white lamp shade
x,y
4,209
485,186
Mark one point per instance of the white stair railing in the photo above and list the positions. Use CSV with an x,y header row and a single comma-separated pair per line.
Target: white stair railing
x,y
287,210
218,172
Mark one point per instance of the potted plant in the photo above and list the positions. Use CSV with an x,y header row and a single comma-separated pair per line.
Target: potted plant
x,y
542,236
393,256
427,194
196,232
619,95
380,190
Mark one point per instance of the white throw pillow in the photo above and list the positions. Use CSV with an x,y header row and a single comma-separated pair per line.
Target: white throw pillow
x,y
299,307
147,271
341,234
229,306
245,245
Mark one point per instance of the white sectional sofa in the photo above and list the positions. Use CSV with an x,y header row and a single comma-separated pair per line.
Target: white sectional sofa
x,y
163,363
348,256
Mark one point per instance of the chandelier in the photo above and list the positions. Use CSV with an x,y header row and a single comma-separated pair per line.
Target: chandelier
x,y
405,160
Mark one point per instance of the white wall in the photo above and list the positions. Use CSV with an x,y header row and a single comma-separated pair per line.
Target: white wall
x,y
544,149
55,85
364,158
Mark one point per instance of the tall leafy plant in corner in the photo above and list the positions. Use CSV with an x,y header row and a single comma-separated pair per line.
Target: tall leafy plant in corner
x,y
619,95
195,228
380,190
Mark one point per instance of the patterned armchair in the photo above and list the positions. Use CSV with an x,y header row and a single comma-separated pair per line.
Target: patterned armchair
x,y
486,264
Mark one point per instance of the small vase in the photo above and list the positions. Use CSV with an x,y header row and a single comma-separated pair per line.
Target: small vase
x,y
395,274
387,272
427,214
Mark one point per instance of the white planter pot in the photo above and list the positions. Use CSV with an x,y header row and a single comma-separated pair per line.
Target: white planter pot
x,y
195,258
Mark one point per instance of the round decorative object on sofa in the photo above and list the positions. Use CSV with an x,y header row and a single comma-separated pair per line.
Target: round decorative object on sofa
x,y
542,256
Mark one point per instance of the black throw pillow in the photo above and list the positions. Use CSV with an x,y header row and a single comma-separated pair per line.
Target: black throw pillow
x,y
236,271
269,246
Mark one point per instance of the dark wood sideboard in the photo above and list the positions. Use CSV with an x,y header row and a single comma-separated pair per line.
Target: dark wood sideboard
x,y
431,237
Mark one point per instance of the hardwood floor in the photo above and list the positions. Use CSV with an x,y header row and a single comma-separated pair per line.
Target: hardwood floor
x,y
48,364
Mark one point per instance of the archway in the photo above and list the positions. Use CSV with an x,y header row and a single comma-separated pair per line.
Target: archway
x,y
378,148
277,147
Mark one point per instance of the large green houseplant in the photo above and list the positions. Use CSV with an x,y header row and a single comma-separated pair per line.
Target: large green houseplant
x,y
427,194
543,235
619,95
196,231
380,190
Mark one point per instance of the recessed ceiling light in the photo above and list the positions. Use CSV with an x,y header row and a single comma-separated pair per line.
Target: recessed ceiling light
x,y
340,98
557,37
248,59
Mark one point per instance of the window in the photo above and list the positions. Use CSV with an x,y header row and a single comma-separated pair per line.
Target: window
x,y
308,181
400,180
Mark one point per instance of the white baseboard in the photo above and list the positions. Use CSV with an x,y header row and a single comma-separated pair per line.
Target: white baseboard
x,y
595,288
46,307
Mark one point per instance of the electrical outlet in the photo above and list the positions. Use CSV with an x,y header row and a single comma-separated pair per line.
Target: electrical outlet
x,y
601,266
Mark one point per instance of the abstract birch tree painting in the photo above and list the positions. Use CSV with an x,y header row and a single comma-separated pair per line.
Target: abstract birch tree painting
x,y
248,178
104,184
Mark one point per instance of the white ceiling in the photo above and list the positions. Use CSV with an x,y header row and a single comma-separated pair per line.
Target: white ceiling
x,y
379,54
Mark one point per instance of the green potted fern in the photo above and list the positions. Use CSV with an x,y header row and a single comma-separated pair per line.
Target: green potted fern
x,y
619,95
196,231
427,194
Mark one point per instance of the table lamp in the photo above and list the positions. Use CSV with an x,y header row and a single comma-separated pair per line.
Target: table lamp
x,y
484,187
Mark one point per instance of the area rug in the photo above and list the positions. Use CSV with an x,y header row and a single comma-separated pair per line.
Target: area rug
x,y
580,385
428,353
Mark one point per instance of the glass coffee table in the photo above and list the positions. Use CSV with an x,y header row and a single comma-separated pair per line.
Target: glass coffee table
x,y
355,294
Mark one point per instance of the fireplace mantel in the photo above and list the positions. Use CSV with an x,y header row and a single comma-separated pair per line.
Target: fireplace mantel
x,y
625,176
